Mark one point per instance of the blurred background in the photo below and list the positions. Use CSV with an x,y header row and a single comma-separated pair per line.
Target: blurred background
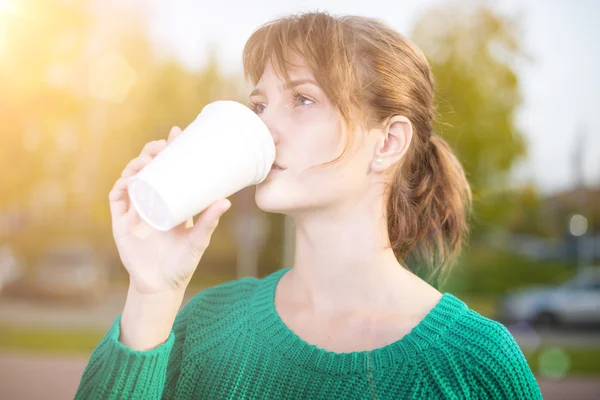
x,y
85,84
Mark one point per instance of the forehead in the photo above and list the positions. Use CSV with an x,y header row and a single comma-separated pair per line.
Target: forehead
x,y
295,68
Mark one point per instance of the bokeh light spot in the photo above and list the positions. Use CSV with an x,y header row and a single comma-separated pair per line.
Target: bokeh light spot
x,y
111,78
578,225
554,363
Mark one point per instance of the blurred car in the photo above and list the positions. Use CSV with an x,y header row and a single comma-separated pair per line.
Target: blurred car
x,y
575,302
73,272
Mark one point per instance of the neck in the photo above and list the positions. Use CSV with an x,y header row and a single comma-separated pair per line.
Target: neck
x,y
343,261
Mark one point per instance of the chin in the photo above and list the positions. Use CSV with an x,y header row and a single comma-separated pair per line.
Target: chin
x,y
279,196
273,200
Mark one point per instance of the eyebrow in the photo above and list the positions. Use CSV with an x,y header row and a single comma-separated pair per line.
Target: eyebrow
x,y
290,85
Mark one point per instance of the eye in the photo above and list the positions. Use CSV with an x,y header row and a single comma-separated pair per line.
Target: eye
x,y
258,108
300,100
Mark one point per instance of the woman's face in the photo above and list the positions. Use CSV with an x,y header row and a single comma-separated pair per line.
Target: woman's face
x,y
308,130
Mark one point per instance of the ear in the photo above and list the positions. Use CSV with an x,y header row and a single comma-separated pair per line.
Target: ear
x,y
397,136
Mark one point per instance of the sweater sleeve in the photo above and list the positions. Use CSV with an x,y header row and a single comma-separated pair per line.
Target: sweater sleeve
x,y
500,370
115,371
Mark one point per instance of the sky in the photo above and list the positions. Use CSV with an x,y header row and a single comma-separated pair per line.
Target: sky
x,y
560,85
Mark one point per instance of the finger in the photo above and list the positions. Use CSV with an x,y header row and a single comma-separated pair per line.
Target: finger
x,y
206,224
118,198
136,165
154,147
175,131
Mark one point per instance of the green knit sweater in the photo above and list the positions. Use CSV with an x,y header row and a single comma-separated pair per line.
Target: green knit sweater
x,y
228,342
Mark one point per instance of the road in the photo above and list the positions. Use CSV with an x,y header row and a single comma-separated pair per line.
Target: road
x,y
30,377
25,377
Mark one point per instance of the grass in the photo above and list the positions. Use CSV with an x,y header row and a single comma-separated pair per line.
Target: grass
x,y
48,340
573,361
482,271
484,305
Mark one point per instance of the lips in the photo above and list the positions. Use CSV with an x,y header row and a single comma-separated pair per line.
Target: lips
x,y
276,167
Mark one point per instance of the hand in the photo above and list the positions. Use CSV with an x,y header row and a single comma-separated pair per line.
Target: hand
x,y
159,261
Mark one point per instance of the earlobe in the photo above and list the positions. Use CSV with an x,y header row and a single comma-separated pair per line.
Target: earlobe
x,y
391,148
381,160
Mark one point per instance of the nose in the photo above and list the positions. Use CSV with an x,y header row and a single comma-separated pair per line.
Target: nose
x,y
272,124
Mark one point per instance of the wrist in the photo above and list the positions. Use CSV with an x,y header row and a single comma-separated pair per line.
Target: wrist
x,y
147,319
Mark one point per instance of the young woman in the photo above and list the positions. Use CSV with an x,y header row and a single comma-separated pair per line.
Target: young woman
x,y
349,103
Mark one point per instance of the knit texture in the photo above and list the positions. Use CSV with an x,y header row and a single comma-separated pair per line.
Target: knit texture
x,y
229,342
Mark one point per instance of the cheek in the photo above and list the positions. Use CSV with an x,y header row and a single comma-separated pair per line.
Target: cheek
x,y
320,140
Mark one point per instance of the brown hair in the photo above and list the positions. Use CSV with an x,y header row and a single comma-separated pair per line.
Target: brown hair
x,y
371,73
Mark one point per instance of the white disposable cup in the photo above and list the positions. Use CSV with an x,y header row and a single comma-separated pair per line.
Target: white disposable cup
x,y
225,149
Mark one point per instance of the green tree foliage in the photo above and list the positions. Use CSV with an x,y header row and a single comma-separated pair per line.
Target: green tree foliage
x,y
81,92
473,51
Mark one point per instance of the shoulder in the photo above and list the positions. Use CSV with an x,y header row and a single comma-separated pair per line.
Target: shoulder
x,y
225,297
481,338
217,313
235,290
484,334
492,357
228,297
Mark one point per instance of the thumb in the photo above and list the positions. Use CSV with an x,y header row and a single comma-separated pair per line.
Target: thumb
x,y
200,234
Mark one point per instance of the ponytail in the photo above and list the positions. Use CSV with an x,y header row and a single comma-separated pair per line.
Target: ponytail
x,y
429,200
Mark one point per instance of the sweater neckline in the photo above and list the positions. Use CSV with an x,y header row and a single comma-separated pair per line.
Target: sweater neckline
x,y
285,343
